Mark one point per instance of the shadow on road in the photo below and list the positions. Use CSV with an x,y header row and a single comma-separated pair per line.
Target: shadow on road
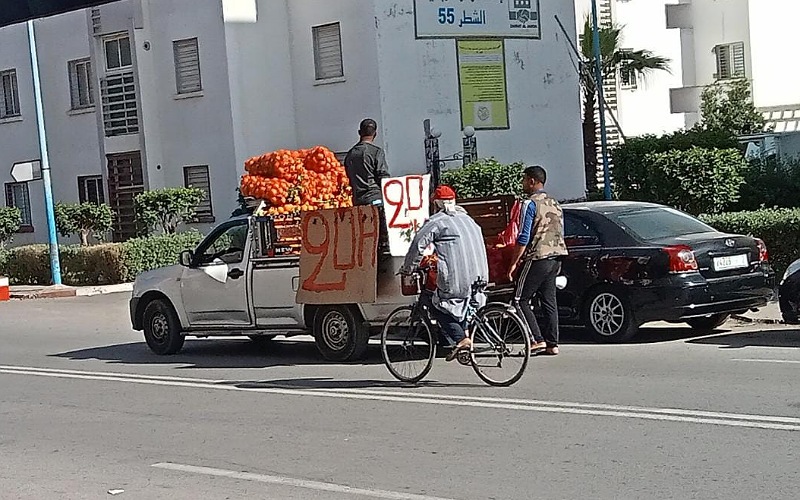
x,y
647,335
329,383
764,338
218,353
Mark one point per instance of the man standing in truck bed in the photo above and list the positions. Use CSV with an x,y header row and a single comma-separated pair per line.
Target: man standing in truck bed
x,y
366,168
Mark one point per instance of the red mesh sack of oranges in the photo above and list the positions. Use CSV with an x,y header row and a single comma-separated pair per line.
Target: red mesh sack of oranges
x,y
293,181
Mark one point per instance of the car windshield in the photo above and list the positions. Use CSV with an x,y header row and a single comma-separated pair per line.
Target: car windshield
x,y
658,223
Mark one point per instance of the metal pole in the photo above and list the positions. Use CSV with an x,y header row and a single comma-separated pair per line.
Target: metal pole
x,y
598,76
55,265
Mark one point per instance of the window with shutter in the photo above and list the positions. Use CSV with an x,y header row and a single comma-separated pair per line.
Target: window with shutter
x,y
9,94
730,61
187,66
17,196
81,83
197,176
328,51
628,78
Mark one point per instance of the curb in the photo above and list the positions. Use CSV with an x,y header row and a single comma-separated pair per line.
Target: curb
x,y
61,291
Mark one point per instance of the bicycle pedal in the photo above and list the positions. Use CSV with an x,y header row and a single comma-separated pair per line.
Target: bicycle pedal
x,y
463,357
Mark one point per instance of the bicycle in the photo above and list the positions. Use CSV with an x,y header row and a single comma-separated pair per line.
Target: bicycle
x,y
500,338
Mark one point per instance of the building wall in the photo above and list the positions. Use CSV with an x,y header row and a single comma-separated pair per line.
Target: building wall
x,y
260,77
419,80
773,29
190,129
646,109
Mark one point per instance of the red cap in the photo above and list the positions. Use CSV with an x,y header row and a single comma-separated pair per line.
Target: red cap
x,y
444,193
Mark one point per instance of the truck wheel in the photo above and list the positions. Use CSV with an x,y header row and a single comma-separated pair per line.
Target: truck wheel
x,y
162,329
708,323
339,334
608,316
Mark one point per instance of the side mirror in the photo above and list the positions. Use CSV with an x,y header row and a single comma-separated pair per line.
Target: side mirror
x,y
186,258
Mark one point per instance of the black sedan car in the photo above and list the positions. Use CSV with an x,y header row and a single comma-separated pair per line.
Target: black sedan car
x,y
631,263
789,293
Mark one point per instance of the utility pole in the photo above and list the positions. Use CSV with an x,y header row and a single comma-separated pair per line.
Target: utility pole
x,y
598,70
55,265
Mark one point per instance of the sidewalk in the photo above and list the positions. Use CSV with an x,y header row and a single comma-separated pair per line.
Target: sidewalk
x,y
57,292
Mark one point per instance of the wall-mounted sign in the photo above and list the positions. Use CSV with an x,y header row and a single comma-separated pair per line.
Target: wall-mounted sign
x,y
477,19
482,84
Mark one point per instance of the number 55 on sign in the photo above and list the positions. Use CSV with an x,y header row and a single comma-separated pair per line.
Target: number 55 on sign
x,y
407,204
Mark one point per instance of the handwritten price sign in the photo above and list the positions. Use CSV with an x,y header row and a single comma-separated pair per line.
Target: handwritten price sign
x,y
338,259
407,204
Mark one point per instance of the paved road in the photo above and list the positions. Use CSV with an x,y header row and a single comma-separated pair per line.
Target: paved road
x,y
85,408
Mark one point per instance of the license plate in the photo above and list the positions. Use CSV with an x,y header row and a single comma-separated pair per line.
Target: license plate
x,y
731,262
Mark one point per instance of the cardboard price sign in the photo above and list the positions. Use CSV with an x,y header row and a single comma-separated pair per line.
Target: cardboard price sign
x,y
407,204
339,254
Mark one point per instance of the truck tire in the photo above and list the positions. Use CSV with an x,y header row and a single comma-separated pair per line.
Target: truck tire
x,y
339,334
162,329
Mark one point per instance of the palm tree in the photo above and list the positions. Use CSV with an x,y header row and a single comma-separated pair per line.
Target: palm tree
x,y
612,59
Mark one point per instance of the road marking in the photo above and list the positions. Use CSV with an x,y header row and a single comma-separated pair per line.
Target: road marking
x,y
756,360
593,409
297,483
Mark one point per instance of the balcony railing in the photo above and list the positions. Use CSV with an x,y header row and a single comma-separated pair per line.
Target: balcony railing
x,y
119,104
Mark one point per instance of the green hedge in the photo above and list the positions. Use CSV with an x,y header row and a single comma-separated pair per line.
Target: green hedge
x,y
779,228
96,265
485,177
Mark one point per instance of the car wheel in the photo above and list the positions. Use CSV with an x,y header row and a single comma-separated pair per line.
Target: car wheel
x,y
339,334
708,323
162,329
608,316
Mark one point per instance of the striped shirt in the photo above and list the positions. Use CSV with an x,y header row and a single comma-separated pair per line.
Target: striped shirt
x,y
461,253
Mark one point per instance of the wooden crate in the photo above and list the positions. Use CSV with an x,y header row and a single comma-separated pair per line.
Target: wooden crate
x,y
492,214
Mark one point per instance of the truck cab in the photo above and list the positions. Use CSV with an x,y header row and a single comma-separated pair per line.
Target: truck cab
x,y
239,282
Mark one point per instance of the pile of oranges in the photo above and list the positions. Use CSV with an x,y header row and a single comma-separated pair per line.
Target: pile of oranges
x,y
297,181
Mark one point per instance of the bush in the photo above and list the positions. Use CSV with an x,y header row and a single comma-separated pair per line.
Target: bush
x,y
3,262
10,220
770,183
696,180
99,264
485,177
779,228
168,207
84,219
144,254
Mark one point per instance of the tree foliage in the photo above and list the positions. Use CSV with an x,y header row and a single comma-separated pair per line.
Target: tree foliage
x,y
613,59
485,177
10,221
84,219
728,107
166,208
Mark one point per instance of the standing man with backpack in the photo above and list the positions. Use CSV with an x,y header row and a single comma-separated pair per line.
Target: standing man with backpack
x,y
538,253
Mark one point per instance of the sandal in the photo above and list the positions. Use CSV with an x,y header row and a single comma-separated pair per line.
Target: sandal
x,y
454,353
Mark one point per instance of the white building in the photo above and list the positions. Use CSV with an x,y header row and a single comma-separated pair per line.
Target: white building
x,y
707,41
142,94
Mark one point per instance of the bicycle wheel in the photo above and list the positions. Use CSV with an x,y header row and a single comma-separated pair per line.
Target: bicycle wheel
x,y
407,345
500,345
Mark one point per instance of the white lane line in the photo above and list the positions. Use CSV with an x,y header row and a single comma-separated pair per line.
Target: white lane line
x,y
688,416
758,360
297,483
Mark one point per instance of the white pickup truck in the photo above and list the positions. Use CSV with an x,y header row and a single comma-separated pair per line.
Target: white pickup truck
x,y
232,284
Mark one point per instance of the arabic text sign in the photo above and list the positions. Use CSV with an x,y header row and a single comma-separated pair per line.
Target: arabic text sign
x,y
477,19
338,259
482,83
407,206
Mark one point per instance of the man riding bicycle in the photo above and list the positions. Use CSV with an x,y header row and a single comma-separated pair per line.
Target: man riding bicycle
x,y
461,260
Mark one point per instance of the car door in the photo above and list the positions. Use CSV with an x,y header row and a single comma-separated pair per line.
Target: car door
x,y
214,286
584,243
